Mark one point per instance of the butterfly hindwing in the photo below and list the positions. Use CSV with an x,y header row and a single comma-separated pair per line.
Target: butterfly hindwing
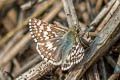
x,y
48,51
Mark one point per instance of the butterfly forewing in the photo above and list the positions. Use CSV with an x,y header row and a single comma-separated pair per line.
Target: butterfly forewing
x,y
42,31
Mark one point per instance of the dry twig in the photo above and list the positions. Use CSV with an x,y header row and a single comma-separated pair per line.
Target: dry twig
x,y
70,13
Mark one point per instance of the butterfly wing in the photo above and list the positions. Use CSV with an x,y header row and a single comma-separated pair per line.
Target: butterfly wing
x,y
75,56
48,39
42,31
49,51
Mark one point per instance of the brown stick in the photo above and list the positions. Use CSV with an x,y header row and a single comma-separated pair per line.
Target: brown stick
x,y
70,13
103,12
27,66
36,72
31,3
109,15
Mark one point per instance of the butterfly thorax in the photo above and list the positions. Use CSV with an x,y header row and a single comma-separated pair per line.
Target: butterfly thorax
x,y
71,34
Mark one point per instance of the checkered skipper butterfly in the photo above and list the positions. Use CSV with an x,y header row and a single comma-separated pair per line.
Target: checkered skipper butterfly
x,y
55,44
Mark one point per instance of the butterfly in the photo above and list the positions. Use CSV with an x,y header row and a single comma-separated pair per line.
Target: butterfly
x,y
55,44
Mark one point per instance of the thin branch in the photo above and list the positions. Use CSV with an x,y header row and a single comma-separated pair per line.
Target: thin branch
x,y
70,13
31,3
73,13
103,13
108,16
27,66
67,12
36,72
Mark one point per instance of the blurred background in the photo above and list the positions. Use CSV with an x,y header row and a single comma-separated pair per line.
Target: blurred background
x,y
17,49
